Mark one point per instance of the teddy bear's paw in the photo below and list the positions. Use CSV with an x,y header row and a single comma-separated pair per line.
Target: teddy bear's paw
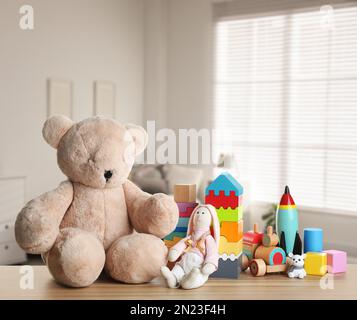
x,y
77,258
136,258
35,232
162,215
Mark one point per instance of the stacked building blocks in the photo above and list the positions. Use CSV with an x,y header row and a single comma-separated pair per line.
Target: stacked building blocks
x,y
336,261
186,193
316,263
313,240
319,262
225,194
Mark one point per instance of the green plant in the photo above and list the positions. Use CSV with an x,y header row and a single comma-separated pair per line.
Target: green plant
x,y
269,216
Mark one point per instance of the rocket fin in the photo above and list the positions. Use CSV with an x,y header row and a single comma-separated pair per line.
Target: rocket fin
x,y
297,244
282,243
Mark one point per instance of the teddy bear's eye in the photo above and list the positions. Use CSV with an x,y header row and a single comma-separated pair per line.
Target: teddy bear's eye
x,y
198,212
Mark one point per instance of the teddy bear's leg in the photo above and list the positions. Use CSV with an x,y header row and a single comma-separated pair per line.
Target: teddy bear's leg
x,y
76,259
136,258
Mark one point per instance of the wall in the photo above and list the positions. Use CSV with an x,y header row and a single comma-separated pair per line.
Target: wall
x,y
155,61
81,40
178,62
189,63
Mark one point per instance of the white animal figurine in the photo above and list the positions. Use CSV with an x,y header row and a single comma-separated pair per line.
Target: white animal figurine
x,y
296,270
198,251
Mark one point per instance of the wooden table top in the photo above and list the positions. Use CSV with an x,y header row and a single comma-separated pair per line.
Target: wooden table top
x,y
273,286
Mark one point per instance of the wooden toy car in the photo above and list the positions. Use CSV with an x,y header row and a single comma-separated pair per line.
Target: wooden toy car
x,y
261,253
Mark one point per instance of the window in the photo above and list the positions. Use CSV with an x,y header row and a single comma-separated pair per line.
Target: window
x,y
286,90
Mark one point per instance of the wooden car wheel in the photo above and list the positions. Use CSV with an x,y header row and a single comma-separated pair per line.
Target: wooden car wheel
x,y
258,267
245,262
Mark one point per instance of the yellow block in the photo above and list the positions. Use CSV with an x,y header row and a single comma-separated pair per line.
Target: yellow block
x,y
316,263
229,247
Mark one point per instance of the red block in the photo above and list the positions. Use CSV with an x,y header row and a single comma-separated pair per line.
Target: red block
x,y
231,201
187,213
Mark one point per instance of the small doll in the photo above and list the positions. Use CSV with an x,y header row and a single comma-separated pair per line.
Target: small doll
x,y
198,251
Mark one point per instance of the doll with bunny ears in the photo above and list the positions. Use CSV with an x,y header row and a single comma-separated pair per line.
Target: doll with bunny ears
x,y
198,252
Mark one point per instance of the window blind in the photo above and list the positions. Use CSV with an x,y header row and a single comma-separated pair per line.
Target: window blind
x,y
286,91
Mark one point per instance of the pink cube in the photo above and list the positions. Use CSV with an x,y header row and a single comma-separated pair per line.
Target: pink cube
x,y
336,261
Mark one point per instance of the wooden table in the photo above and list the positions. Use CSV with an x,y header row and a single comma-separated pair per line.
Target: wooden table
x,y
273,286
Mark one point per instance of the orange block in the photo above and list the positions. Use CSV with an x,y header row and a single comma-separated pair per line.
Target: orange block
x,y
240,230
171,243
232,231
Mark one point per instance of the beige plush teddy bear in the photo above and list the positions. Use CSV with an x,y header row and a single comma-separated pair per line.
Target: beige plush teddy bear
x,y
98,218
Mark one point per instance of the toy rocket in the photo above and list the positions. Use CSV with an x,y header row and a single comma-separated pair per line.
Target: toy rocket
x,y
287,224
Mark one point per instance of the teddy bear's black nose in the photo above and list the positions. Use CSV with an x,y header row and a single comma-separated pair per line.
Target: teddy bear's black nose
x,y
108,174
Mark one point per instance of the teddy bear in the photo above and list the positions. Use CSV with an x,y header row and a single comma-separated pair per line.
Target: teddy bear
x,y
97,219
296,269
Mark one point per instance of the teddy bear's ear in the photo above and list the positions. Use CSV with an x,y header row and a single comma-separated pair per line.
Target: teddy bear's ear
x,y
139,136
55,128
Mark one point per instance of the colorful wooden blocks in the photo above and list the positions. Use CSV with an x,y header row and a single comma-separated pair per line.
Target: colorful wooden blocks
x,y
225,194
336,261
185,197
183,222
316,263
176,234
185,193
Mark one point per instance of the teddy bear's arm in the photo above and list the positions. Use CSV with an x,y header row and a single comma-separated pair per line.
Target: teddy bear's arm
x,y
155,214
37,225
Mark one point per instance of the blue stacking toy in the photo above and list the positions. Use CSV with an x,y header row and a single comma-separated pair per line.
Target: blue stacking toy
x,y
225,182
